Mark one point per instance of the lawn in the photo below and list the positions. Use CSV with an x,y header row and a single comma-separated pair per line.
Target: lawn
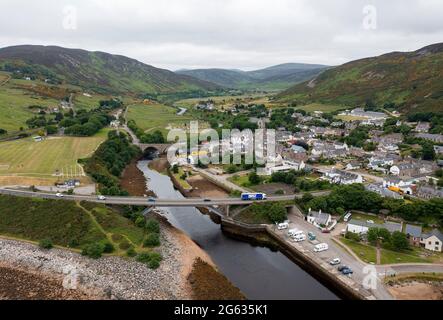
x,y
151,117
366,217
366,253
83,102
392,257
27,158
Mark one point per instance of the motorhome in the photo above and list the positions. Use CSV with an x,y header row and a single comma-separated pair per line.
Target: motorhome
x,y
294,232
300,238
321,247
283,226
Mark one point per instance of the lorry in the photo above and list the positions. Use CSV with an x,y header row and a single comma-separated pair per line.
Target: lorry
x,y
253,196
321,247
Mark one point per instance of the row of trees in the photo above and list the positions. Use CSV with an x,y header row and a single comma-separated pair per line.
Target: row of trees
x,y
109,161
155,137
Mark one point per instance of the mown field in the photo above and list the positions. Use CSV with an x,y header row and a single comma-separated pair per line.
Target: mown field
x,y
68,224
151,117
30,159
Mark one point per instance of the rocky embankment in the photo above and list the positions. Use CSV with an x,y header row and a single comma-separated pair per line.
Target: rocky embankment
x,y
26,271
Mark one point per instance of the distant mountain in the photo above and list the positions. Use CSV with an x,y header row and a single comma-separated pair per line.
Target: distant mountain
x,y
97,71
410,80
273,78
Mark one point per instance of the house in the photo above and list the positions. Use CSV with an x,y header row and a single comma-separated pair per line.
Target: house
x,y
433,241
342,177
403,185
429,192
362,227
298,149
319,219
353,165
437,138
414,234
384,192
284,166
423,127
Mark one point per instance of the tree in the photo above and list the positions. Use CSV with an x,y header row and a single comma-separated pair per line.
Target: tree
x,y
307,197
399,241
3,131
140,221
175,169
277,213
254,178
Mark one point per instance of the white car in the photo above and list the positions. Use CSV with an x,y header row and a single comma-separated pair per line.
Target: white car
x,y
59,195
300,238
101,198
335,262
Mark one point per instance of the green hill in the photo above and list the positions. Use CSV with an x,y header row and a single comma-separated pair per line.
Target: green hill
x,y
278,77
98,72
413,81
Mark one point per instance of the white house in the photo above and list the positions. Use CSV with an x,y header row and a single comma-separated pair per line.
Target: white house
x,y
284,166
343,177
433,241
319,219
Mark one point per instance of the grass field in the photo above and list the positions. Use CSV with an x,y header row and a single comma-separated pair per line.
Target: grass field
x,y
26,158
83,102
366,253
153,117
14,103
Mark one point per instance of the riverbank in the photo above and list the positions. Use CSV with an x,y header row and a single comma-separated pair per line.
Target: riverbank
x,y
416,287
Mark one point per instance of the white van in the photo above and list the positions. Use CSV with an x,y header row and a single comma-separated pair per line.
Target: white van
x,y
283,226
321,247
300,238
348,217
294,232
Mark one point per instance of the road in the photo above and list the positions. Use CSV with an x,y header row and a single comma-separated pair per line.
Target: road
x,y
141,201
336,251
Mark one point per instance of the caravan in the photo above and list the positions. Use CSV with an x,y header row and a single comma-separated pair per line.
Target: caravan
x,y
294,232
283,226
321,247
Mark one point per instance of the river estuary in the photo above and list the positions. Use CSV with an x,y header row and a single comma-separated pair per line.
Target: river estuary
x,y
258,272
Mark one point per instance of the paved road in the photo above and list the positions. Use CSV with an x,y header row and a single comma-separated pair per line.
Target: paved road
x,y
141,201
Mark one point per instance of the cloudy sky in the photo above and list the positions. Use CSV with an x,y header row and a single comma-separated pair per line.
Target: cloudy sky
x,y
244,34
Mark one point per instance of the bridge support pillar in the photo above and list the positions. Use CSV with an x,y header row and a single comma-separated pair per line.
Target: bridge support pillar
x,y
228,209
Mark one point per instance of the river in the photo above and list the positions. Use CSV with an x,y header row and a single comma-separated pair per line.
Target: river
x,y
258,272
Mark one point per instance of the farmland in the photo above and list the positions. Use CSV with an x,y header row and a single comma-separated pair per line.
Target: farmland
x,y
151,117
14,103
321,107
26,159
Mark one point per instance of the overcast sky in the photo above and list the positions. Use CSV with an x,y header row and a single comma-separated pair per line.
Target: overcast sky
x,y
243,34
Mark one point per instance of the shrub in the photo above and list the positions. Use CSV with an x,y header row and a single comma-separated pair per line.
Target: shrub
x,y
140,221
152,240
46,244
152,260
94,250
131,252
352,236
152,226
143,257
108,248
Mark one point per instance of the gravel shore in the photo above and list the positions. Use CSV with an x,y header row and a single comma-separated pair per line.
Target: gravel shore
x,y
108,277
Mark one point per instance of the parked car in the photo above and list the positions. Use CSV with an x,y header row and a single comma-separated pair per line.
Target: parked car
x,y
283,226
207,200
335,262
312,236
347,272
101,198
59,195
299,238
341,268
